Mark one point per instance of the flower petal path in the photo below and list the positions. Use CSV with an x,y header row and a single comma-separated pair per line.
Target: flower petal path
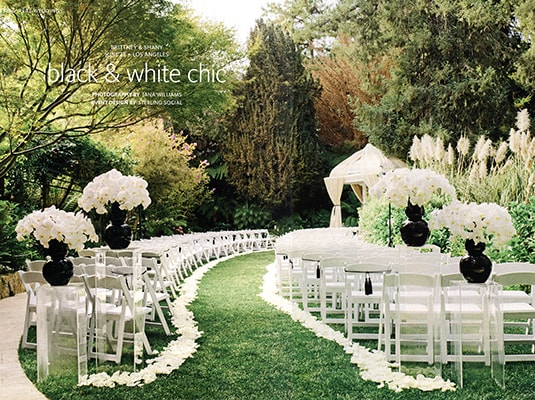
x,y
372,363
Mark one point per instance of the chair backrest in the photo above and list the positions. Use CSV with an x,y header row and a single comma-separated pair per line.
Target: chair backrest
x,y
86,253
446,278
516,278
506,267
35,265
115,289
93,269
410,279
425,263
114,261
31,281
82,260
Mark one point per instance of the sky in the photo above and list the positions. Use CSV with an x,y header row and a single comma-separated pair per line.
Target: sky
x,y
239,14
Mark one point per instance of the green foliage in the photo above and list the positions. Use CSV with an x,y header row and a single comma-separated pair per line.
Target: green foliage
x,y
79,38
12,252
176,187
451,65
53,175
271,150
522,245
251,216
350,207
374,226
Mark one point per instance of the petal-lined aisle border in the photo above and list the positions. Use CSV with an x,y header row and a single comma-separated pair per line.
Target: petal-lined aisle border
x,y
177,351
372,363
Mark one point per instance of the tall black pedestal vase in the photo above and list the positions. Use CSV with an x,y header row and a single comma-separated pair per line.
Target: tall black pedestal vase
x,y
58,270
118,234
475,267
414,231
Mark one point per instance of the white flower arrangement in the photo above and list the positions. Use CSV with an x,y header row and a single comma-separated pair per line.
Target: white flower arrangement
x,y
415,185
127,190
51,223
482,223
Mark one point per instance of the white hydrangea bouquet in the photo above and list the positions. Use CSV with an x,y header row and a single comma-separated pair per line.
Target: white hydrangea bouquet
x,y
415,185
483,223
127,190
73,229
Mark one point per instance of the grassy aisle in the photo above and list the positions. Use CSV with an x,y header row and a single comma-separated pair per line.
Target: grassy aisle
x,y
250,351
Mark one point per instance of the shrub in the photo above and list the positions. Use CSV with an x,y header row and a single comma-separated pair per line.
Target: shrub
x,y
12,252
251,217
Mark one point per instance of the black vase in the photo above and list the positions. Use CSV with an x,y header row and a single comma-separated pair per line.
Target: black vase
x,y
118,234
414,231
58,270
475,267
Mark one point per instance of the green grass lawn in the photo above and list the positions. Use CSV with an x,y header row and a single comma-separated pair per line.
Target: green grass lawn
x,y
249,350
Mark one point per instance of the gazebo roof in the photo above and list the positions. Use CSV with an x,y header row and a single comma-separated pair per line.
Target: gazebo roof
x,y
365,166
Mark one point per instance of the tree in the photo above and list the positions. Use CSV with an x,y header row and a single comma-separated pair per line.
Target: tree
x,y
451,68
73,68
164,160
341,82
56,174
525,74
272,147
56,56
304,19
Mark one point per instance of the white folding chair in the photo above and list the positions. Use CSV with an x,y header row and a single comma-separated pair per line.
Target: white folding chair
x,y
31,281
112,307
155,293
410,318
35,265
332,288
309,281
519,317
363,294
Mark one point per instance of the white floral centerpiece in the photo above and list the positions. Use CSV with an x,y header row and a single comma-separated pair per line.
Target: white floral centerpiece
x,y
415,185
482,223
126,190
73,229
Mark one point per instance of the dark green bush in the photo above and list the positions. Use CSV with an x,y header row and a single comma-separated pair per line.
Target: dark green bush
x,y
522,245
12,252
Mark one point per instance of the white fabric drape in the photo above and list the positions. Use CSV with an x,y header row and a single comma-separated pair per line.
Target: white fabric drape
x,y
334,188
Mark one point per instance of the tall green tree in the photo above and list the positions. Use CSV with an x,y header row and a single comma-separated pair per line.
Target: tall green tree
x,y
55,56
525,74
452,63
272,149
67,68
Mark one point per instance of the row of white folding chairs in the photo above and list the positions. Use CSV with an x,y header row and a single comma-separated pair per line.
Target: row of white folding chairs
x,y
297,276
516,311
147,282
100,309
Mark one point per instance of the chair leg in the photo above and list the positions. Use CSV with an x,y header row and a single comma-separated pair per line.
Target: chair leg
x,y
27,324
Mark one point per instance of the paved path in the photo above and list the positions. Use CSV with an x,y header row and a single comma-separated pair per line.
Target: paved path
x,y
14,385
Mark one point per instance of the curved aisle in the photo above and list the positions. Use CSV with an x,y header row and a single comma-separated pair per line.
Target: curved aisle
x,y
256,351
14,384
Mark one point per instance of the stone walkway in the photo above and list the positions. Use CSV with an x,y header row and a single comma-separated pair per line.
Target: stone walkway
x,y
14,385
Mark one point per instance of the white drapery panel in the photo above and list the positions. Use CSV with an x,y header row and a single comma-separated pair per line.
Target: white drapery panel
x,y
334,188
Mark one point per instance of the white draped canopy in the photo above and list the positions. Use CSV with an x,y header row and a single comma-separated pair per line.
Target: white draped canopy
x,y
361,170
